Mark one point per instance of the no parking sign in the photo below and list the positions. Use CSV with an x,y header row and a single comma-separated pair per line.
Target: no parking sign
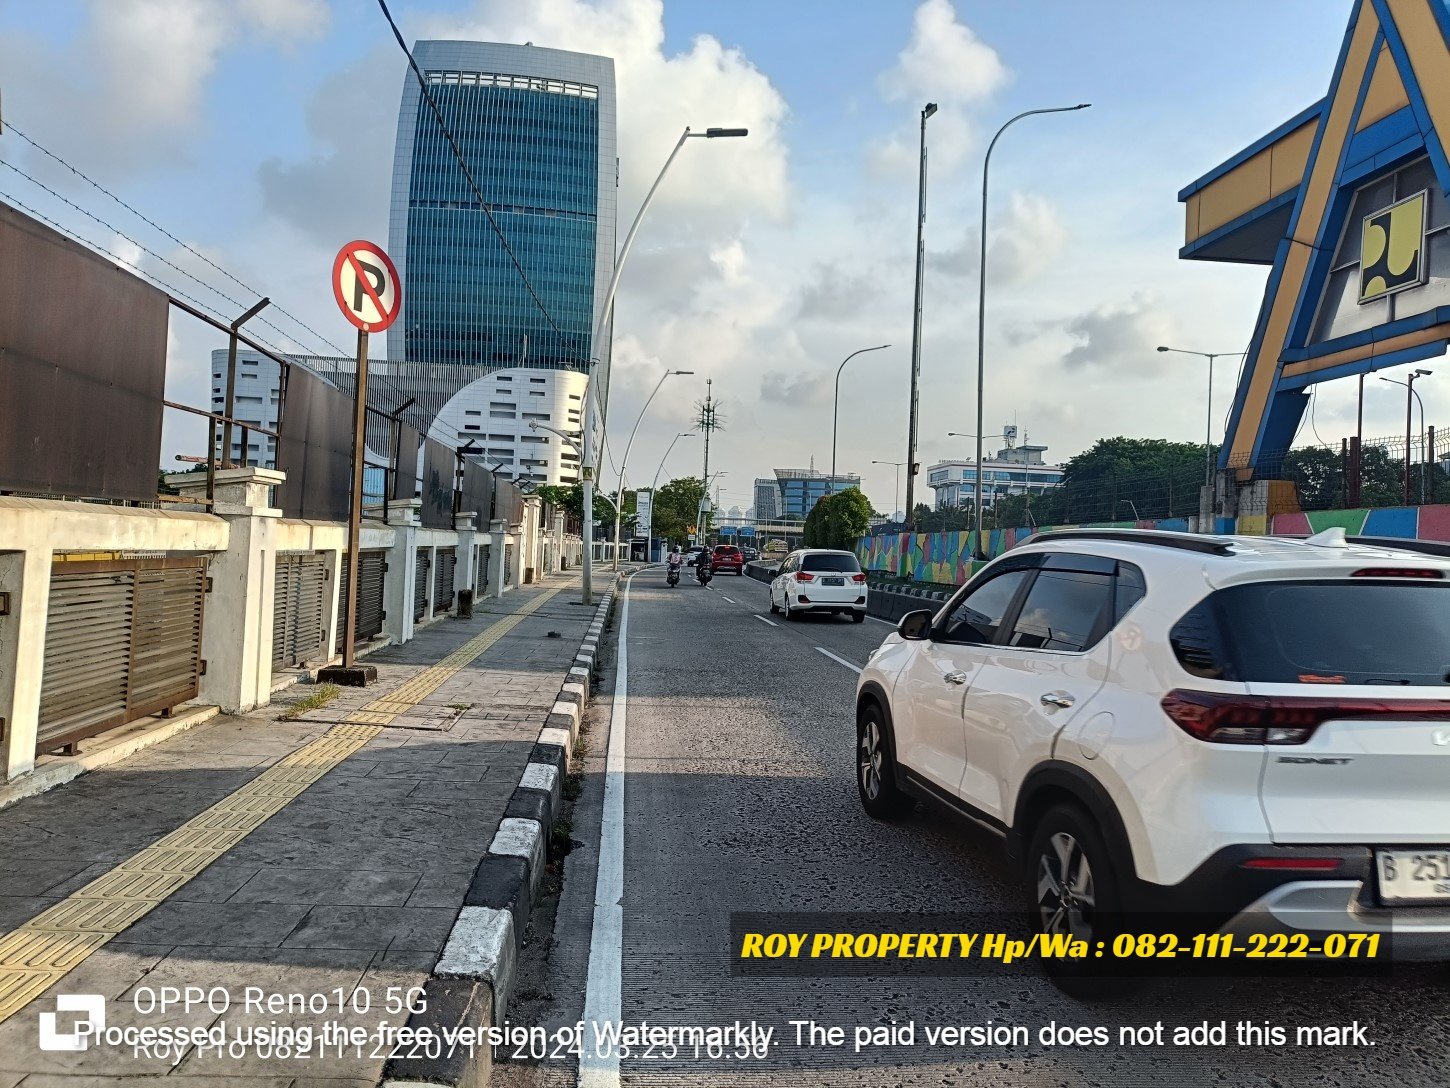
x,y
366,286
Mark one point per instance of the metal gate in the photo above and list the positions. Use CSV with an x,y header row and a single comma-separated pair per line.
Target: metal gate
x,y
370,568
480,572
508,564
123,640
443,580
420,586
299,615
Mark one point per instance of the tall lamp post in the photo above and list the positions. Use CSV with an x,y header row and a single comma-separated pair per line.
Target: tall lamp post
x,y
926,112
896,481
836,406
1208,430
591,398
982,303
1410,398
623,461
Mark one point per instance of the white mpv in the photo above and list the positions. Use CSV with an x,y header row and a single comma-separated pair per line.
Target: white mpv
x,y
1252,729
819,580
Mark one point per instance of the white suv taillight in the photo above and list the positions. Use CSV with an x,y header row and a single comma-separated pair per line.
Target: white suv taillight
x,y
1224,718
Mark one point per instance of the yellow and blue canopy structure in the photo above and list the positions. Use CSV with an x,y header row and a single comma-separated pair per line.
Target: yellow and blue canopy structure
x,y
1346,202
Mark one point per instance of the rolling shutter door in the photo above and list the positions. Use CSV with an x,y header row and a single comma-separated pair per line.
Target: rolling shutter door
x,y
369,597
508,564
123,640
299,619
480,571
420,587
443,580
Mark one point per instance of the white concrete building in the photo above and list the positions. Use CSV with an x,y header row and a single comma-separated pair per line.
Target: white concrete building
x,y
1015,470
494,413
258,393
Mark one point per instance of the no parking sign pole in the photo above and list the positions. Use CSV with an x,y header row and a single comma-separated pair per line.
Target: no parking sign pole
x,y
369,293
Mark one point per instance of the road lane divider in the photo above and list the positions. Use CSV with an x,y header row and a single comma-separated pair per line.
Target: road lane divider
x,y
839,660
772,623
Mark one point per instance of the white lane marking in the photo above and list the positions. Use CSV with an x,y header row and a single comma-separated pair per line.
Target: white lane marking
x,y
602,1000
762,619
725,598
839,660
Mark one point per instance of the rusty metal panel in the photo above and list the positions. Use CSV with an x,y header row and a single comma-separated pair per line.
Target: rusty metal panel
x,y
478,492
508,503
315,450
405,479
82,368
439,467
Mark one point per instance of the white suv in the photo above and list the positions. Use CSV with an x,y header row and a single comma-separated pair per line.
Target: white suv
x,y
819,580
1253,729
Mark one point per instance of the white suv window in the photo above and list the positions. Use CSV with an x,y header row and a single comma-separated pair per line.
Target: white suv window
x,y
975,618
1064,610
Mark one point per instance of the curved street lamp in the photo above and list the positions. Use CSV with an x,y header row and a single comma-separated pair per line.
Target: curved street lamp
x,y
836,407
982,297
586,455
624,461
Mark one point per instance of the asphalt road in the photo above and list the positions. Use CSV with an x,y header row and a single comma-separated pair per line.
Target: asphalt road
x,y
738,795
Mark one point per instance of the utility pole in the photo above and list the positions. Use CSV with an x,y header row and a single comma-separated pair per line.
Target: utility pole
x,y
707,425
910,524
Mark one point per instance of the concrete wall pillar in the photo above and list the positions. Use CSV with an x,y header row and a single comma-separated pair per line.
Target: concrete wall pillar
x,y
496,553
402,564
25,576
465,524
236,639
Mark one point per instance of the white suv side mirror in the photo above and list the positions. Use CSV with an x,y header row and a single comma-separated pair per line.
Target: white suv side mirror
x,y
915,626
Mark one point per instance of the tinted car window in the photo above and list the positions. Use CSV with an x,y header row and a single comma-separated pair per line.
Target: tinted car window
x,y
841,563
1064,610
1342,632
977,616
1129,591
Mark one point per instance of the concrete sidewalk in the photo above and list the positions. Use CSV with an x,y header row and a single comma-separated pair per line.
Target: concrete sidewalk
x,y
320,860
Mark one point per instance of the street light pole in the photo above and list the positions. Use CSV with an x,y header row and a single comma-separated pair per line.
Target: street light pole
x,y
591,398
926,112
623,461
982,304
1410,398
836,408
1208,427
896,481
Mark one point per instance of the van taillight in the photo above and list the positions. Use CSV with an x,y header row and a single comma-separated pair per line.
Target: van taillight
x,y
1397,572
1223,718
803,576
858,578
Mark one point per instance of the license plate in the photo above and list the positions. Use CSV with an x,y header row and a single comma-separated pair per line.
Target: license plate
x,y
833,581
1414,876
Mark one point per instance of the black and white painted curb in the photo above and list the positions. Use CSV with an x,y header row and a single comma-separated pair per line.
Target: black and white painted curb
x,y
474,977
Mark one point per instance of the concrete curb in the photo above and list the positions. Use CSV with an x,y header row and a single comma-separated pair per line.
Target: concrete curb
x,y
474,978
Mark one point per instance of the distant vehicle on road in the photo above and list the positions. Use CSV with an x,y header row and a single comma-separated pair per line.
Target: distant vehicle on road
x,y
750,554
820,580
1251,729
728,560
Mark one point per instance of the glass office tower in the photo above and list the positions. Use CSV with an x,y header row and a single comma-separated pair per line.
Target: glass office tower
x,y
537,129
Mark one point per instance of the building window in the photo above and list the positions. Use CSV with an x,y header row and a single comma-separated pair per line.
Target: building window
x,y
502,415
472,412
537,415
500,406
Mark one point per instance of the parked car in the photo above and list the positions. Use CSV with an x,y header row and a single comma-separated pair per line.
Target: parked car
x,y
728,560
819,580
1256,730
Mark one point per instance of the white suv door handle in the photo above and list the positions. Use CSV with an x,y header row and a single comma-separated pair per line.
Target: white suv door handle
x,y
955,678
1058,698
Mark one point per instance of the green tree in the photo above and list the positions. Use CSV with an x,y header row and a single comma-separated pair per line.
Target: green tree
x,y
676,508
838,520
571,498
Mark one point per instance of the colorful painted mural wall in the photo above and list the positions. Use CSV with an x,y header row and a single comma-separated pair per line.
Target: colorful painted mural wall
x,y
946,558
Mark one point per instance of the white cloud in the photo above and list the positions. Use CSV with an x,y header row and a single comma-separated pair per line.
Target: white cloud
x,y
1027,240
1118,337
945,61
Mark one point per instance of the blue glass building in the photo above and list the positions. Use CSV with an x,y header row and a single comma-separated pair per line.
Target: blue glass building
x,y
537,129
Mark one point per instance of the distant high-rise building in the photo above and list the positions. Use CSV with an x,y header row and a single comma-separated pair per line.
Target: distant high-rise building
x,y
801,488
536,128
767,499
1015,470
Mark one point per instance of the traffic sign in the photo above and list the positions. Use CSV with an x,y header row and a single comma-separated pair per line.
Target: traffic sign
x,y
366,286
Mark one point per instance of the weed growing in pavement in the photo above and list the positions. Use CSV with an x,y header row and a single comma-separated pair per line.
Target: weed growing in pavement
x,y
461,706
560,842
324,694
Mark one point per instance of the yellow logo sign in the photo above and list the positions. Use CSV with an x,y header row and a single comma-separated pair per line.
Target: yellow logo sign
x,y
1392,249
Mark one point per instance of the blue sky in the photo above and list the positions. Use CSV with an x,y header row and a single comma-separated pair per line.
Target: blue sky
x,y
260,131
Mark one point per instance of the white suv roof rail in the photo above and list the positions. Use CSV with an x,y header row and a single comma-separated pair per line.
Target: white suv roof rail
x,y
1211,545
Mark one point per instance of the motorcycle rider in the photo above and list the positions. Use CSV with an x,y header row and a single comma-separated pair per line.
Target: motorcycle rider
x,y
703,569
675,562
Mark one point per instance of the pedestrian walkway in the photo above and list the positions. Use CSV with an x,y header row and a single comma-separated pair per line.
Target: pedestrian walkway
x,y
325,856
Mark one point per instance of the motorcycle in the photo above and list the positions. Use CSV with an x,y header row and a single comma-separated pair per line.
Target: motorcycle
x,y
672,576
703,574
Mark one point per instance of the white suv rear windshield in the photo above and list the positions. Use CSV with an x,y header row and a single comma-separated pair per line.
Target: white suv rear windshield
x,y
1333,632
844,563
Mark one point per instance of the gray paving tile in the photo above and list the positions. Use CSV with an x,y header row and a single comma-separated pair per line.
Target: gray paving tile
x,y
243,925
340,887
374,928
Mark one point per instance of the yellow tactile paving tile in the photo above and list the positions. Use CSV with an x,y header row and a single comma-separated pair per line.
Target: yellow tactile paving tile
x,y
43,950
